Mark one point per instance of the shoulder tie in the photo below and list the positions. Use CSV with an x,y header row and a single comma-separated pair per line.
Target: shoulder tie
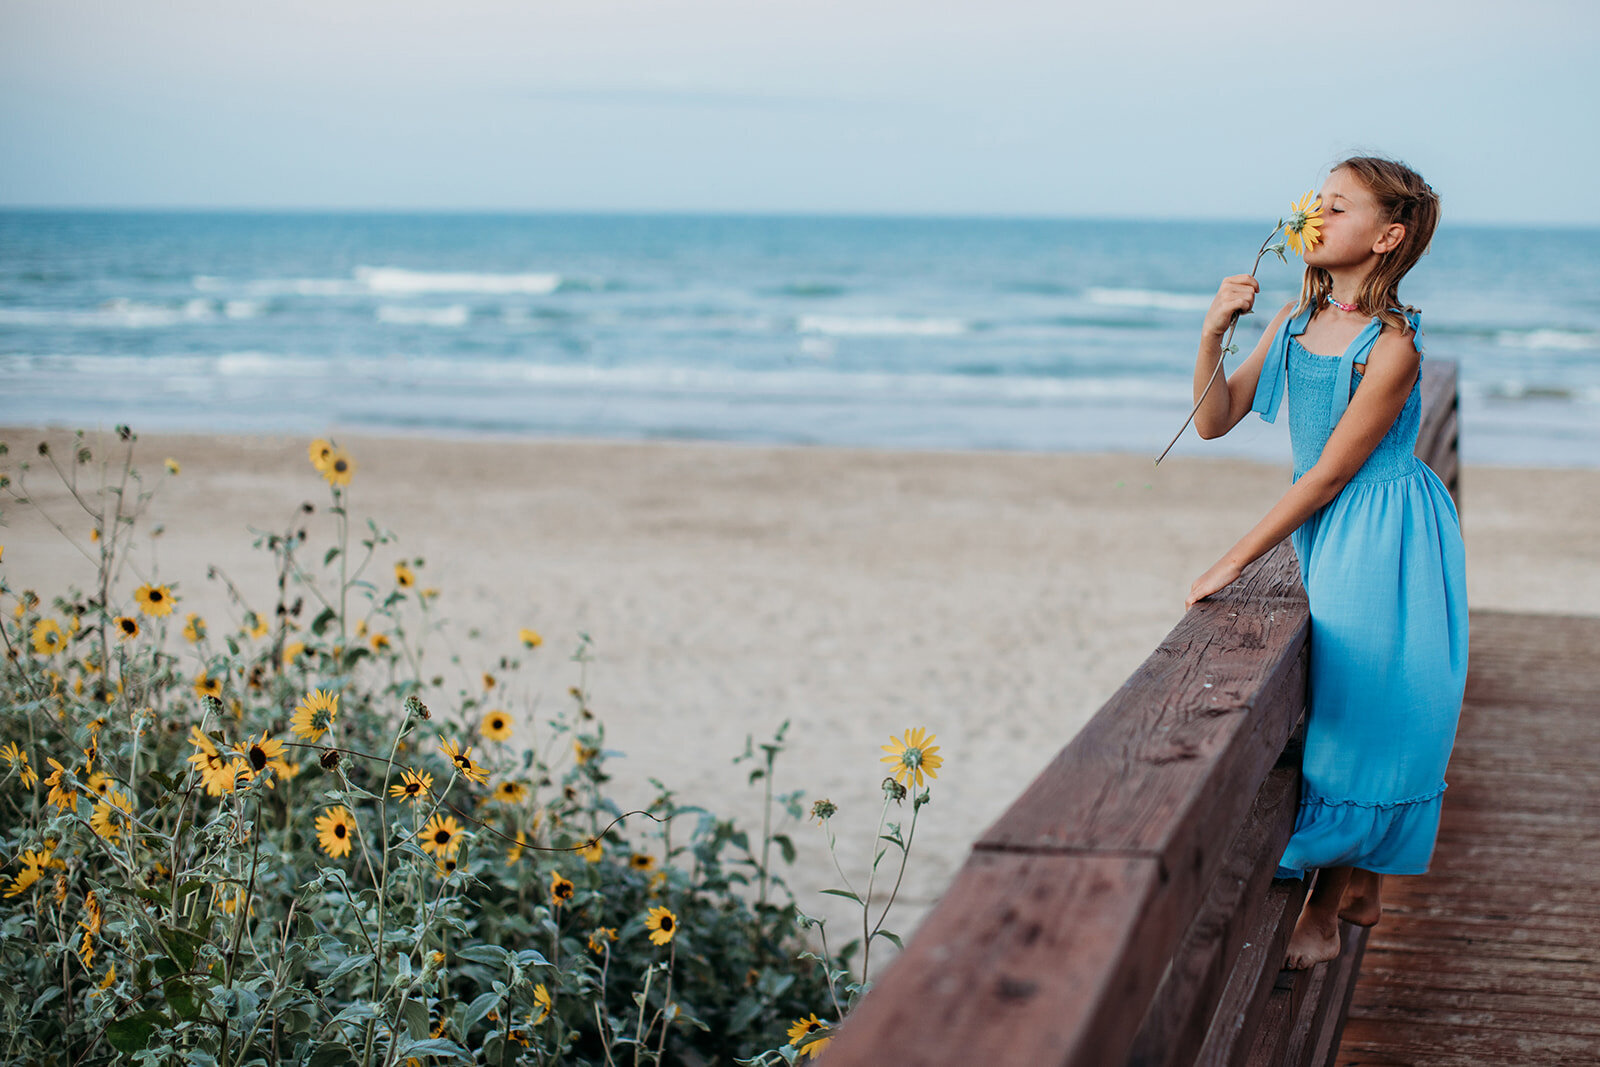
x,y
1269,386
1357,352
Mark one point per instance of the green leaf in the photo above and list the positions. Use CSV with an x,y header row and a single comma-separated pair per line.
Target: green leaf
x,y
164,781
493,955
331,1055
320,623
331,555
843,893
133,1033
434,1046
350,963
893,939
785,845
478,1009
181,998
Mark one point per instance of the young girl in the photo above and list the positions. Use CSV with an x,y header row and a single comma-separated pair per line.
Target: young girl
x,y
1378,539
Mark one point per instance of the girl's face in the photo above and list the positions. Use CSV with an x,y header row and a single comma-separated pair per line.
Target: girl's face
x,y
1353,230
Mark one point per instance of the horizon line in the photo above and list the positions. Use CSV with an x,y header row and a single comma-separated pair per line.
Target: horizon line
x,y
996,216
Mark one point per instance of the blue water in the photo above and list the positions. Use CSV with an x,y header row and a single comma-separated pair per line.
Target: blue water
x,y
882,332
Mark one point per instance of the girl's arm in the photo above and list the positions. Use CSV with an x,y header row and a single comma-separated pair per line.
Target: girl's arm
x,y
1392,370
1224,407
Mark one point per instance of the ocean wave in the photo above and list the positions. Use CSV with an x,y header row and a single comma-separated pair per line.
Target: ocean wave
x,y
880,326
117,313
1148,298
1559,340
466,378
1531,391
400,281
454,315
397,280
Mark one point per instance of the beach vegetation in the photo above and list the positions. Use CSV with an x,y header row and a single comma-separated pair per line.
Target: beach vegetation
x,y
261,839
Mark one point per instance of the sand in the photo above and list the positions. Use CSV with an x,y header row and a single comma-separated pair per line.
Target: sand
x,y
996,599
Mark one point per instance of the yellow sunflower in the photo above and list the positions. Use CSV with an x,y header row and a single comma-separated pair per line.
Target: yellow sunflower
x,y
194,628
379,642
583,753
541,997
592,852
514,851
642,861
172,466
803,1028
462,761
1303,231
62,797
413,785
913,756
561,889
256,625
446,867
314,715
47,637
154,599
99,783
509,792
15,757
336,830
600,938
218,772
104,822
263,753
496,726
441,837
207,686
530,638
662,924
34,864
127,626
339,467
293,651
321,452
403,576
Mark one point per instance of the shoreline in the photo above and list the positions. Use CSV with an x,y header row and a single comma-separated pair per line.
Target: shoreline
x,y
995,598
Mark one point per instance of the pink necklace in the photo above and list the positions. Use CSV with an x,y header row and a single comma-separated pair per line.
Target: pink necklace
x,y
1342,306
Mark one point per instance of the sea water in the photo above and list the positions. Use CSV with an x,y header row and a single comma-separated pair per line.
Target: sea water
x,y
1052,335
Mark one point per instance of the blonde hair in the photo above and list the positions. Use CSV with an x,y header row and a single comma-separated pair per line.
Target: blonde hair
x,y
1402,197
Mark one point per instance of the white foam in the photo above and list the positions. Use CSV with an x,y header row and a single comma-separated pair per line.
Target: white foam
x,y
1148,298
880,326
1560,340
397,280
117,313
241,309
454,315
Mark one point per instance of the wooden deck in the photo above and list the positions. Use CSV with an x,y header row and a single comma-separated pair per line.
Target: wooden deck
x,y
1493,957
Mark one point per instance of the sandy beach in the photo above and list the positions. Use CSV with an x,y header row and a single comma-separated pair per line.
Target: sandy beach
x,y
996,599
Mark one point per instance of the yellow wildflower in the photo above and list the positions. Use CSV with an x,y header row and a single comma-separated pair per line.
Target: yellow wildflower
x,y
315,714
1303,230
530,638
336,829
441,837
913,756
561,890
154,599
496,726
801,1029
463,762
662,924
47,638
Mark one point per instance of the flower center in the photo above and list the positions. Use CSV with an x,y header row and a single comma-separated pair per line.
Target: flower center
x,y
338,831
442,837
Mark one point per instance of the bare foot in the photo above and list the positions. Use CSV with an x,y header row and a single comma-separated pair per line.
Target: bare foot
x,y
1362,903
1314,941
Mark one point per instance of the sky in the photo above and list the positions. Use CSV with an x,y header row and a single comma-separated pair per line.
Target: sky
x,y
1149,109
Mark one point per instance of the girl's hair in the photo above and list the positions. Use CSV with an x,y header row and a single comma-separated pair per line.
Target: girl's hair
x,y
1402,197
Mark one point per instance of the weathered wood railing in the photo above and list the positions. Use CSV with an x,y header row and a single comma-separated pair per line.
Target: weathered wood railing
x,y
1124,910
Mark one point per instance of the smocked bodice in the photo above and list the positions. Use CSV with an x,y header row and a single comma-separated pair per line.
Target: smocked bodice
x,y
1312,379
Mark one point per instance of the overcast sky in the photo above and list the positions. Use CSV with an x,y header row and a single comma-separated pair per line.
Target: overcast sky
x,y
1158,108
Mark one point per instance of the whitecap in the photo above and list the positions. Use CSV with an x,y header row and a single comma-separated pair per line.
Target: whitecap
x,y
399,281
880,326
454,315
1149,298
1560,340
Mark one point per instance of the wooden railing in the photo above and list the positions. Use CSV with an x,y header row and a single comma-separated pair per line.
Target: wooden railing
x,y
1123,910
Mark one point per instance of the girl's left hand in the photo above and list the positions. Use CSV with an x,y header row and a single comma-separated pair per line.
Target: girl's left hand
x,y
1222,574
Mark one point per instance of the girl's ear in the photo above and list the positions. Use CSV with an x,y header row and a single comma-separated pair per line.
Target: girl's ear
x,y
1390,239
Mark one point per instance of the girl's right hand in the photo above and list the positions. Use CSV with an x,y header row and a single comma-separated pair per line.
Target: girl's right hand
x,y
1236,295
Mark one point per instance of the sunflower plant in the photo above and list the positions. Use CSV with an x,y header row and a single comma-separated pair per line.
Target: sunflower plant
x,y
1301,231
250,838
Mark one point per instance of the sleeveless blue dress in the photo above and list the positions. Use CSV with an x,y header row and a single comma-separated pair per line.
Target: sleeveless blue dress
x,y
1385,573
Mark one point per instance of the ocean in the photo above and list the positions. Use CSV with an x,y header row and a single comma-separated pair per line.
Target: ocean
x,y
904,333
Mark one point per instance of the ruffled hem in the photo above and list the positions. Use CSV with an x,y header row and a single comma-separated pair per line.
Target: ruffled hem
x,y
1420,798
1385,837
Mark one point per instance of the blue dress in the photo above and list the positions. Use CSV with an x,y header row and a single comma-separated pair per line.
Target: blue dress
x,y
1385,573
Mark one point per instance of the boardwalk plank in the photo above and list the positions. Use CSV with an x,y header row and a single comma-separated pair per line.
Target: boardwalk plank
x,y
1490,958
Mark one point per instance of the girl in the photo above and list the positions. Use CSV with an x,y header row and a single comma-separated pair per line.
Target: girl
x,y
1378,539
